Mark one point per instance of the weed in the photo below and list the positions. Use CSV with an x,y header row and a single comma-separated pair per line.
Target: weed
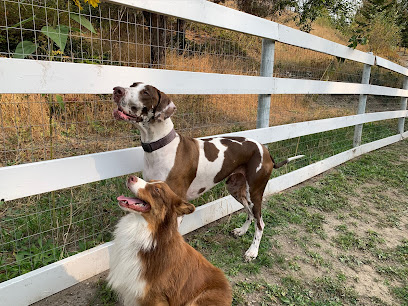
x,y
352,261
104,295
331,289
347,239
401,293
393,272
317,259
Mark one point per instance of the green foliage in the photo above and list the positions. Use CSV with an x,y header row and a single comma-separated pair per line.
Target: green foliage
x,y
293,291
264,8
19,24
24,49
356,40
340,11
402,21
82,21
104,295
347,239
58,35
376,22
401,293
307,11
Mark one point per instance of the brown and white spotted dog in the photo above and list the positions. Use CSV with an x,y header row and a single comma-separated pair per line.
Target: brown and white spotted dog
x,y
193,166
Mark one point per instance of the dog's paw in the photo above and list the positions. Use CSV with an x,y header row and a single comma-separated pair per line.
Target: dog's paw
x,y
238,232
251,254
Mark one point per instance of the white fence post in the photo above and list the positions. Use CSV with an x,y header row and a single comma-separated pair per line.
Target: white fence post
x,y
264,101
362,105
401,121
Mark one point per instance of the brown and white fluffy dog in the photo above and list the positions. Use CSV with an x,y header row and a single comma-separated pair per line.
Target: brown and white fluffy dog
x,y
150,263
193,166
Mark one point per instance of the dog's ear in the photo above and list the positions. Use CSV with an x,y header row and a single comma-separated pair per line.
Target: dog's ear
x,y
165,107
184,208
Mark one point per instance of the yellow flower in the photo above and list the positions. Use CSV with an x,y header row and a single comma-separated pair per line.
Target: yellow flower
x,y
59,52
78,4
94,3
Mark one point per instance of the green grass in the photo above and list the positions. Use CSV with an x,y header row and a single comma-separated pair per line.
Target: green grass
x,y
291,291
401,293
104,295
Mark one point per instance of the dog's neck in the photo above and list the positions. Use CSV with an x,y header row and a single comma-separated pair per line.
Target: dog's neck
x,y
153,131
167,240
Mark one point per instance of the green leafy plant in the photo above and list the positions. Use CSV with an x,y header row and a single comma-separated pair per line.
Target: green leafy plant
x,y
24,49
57,34
82,21
356,40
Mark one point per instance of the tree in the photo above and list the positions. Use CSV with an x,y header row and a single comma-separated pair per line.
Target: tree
x,y
402,21
376,22
306,12
264,8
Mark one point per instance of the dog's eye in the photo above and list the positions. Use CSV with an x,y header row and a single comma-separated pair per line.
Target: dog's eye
x,y
156,189
145,92
134,109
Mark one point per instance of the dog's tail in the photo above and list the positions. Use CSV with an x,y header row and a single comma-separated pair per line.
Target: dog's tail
x,y
278,165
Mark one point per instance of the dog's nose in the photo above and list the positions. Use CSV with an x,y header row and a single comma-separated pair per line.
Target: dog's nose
x,y
132,179
118,91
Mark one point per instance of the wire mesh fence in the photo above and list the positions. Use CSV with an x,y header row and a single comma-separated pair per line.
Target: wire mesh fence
x,y
298,63
38,230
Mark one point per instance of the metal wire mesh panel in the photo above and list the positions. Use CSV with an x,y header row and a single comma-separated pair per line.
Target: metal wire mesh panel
x,y
296,108
315,147
297,63
43,127
378,130
382,104
38,230
110,34
384,77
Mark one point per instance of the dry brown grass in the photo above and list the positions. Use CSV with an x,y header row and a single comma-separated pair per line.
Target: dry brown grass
x,y
29,132
20,110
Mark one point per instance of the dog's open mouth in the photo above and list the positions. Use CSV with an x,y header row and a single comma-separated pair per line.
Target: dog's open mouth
x,y
134,204
121,115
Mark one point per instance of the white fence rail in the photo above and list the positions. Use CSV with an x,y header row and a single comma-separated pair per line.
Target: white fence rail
x,y
16,181
24,76
46,77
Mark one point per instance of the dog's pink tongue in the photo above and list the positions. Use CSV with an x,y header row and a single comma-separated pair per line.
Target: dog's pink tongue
x,y
129,200
119,115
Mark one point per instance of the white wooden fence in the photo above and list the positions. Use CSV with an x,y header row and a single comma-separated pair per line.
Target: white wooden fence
x,y
25,76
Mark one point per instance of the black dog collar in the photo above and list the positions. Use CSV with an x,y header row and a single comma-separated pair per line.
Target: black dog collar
x,y
153,146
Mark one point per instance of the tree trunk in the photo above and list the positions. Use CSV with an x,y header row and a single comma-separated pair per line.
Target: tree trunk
x,y
181,36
